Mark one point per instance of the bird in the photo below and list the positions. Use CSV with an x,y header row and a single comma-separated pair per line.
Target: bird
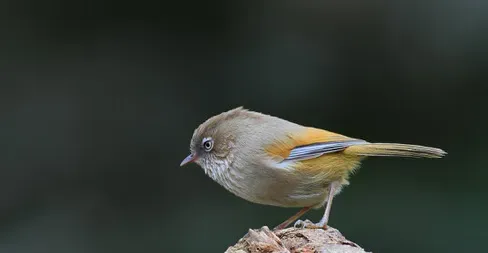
x,y
272,161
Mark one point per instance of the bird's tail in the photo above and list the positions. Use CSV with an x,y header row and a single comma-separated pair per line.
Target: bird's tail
x,y
394,149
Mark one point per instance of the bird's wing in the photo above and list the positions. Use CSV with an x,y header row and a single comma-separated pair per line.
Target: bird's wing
x,y
317,149
310,143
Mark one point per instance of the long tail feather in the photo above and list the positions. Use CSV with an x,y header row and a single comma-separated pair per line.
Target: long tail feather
x,y
395,149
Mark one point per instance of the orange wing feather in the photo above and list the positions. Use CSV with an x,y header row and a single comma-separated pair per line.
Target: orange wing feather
x,y
309,135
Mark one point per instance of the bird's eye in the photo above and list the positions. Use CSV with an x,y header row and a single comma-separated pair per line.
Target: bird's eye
x,y
207,144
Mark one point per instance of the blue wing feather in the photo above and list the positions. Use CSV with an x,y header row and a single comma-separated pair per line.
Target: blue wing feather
x,y
317,149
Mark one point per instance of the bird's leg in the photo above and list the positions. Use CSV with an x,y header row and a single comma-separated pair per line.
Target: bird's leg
x,y
325,219
290,220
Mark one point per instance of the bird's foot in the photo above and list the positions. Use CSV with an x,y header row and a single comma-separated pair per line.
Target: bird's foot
x,y
309,224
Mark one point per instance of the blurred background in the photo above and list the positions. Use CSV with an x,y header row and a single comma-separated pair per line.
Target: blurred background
x,y
99,100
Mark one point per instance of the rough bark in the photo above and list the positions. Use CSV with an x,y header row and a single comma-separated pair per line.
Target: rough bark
x,y
294,240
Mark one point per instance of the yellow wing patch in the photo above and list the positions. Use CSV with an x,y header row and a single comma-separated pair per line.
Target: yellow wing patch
x,y
309,135
329,168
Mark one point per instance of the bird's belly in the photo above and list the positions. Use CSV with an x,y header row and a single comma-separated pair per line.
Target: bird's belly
x,y
306,185
285,193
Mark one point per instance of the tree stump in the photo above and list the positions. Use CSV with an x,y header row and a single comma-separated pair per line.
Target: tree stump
x,y
294,240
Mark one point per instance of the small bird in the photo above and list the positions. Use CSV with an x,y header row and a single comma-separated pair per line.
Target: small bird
x,y
271,161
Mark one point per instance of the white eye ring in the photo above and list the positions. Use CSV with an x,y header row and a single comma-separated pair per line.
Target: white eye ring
x,y
207,144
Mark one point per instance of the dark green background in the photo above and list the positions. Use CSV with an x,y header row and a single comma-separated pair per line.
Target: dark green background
x,y
99,100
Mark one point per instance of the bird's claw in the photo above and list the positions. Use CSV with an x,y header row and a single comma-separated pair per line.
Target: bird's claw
x,y
308,224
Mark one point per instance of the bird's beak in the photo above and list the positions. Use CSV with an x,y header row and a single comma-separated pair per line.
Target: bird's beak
x,y
190,158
